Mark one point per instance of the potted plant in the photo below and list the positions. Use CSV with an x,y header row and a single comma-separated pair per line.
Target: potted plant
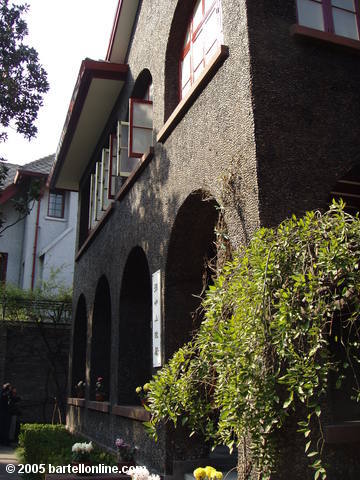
x,y
143,393
99,390
207,473
125,454
80,389
81,456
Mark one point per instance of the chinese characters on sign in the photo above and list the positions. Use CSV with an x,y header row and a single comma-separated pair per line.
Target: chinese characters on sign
x,y
156,318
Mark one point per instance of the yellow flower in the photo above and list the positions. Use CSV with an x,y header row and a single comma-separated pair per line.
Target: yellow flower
x,y
210,472
199,473
138,389
146,387
218,475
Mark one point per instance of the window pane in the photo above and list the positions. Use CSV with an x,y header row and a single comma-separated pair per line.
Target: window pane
x,y
197,15
127,164
185,69
142,140
347,4
142,114
211,31
345,24
55,205
208,4
185,89
198,50
310,14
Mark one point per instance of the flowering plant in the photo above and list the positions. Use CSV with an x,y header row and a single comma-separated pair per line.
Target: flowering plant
x,y
142,473
209,473
126,453
143,391
81,452
99,386
80,388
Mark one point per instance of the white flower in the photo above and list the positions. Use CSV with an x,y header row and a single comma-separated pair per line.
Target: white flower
x,y
75,447
88,447
154,477
139,473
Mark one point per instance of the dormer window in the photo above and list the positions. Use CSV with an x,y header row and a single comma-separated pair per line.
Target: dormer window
x,y
203,35
340,17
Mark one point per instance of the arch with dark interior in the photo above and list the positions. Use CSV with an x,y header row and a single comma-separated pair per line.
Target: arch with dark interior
x,y
79,345
346,188
101,338
134,327
192,248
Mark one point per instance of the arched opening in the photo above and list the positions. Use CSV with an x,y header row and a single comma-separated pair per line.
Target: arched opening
x,y
191,250
79,347
348,188
135,327
343,408
101,339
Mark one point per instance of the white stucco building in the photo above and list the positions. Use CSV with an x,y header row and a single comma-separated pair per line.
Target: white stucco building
x,y
44,241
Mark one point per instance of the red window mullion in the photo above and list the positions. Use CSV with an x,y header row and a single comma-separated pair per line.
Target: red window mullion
x,y
110,193
328,17
357,14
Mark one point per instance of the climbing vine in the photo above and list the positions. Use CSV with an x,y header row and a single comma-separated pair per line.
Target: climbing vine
x,y
265,349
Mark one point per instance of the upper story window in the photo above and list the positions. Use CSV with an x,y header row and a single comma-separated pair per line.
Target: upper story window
x,y
340,17
56,204
141,123
203,35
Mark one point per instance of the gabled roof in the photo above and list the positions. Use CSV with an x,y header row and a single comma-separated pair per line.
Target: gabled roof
x,y
37,168
11,172
42,165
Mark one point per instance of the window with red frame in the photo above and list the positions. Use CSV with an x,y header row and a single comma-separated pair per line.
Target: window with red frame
x,y
340,17
203,35
140,124
56,204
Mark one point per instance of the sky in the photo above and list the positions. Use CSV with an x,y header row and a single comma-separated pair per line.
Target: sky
x,y
63,32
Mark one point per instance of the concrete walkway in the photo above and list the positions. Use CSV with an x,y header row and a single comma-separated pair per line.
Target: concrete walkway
x,y
7,456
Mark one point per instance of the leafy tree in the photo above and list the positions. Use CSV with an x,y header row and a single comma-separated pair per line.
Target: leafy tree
x,y
281,328
23,81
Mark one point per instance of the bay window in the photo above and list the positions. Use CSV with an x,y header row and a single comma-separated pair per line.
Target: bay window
x,y
203,36
340,17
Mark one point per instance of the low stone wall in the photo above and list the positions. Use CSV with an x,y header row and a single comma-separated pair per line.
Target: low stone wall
x,y
34,358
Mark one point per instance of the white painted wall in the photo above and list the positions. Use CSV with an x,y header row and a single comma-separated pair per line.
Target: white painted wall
x,y
11,242
55,245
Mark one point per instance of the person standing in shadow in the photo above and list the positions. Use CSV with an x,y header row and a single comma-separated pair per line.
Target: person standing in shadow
x,y
5,414
14,413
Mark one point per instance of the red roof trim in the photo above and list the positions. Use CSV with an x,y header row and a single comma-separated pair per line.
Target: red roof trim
x,y
113,31
89,70
8,193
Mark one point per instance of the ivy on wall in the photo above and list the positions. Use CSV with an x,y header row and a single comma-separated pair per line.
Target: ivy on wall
x,y
265,349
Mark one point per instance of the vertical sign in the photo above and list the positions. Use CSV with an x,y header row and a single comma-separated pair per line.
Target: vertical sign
x,y
156,318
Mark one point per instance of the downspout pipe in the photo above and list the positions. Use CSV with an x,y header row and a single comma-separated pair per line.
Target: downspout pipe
x,y
36,237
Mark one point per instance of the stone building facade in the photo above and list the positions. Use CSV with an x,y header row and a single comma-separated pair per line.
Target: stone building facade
x,y
266,128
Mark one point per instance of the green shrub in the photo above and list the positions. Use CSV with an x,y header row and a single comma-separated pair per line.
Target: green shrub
x,y
52,444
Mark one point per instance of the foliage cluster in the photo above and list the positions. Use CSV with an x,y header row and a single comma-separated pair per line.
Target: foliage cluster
x,y
23,80
52,444
265,350
51,302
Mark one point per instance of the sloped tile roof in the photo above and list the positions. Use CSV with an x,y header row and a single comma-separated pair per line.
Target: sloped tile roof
x,y
42,165
12,169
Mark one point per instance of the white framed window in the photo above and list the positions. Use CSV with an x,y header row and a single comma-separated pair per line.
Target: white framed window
x,y
204,34
104,178
141,124
125,164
